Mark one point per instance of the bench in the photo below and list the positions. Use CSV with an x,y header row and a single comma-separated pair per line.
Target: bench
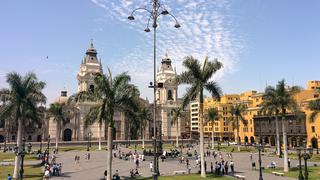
x,y
277,173
238,176
180,172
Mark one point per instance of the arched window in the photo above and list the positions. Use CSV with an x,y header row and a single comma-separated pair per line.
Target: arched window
x,y
91,88
170,95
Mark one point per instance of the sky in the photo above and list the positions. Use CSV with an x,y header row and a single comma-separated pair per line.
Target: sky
x,y
259,42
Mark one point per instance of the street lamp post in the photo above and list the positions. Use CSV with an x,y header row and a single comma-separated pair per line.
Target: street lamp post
x,y
88,142
300,177
154,13
259,147
306,154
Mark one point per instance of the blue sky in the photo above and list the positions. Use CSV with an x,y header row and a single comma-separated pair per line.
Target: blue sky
x,y
259,42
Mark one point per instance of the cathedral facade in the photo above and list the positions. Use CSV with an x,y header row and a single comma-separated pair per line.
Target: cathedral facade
x,y
74,129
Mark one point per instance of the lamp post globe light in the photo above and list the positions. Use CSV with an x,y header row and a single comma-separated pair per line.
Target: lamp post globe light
x,y
300,177
260,147
154,13
306,154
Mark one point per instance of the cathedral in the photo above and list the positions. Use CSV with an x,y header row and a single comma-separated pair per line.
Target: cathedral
x,y
74,129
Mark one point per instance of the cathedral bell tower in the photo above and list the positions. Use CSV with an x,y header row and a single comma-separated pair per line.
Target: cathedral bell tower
x,y
90,65
167,96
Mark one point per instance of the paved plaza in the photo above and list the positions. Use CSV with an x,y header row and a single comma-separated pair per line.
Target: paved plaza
x,y
94,168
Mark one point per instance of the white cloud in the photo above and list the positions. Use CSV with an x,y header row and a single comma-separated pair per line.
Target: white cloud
x,y
206,30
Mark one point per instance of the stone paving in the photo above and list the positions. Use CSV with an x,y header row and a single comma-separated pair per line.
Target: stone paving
x,y
94,169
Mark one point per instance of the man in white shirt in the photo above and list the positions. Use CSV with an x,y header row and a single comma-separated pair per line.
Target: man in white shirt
x,y
151,166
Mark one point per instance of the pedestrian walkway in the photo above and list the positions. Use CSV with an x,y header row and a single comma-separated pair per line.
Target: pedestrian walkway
x,y
95,167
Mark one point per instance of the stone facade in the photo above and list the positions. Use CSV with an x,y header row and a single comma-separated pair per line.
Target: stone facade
x,y
265,130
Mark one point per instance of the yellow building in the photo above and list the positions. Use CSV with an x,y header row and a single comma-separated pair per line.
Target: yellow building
x,y
252,100
303,98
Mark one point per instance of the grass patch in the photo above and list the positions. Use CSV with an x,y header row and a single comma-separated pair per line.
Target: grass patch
x,y
234,149
9,157
314,172
150,146
77,148
30,172
189,177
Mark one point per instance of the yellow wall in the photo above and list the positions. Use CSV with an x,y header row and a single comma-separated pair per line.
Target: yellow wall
x,y
253,99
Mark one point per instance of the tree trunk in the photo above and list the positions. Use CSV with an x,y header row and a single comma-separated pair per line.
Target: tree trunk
x,y
99,136
285,146
278,135
57,135
238,134
18,158
212,136
109,160
177,134
203,172
142,138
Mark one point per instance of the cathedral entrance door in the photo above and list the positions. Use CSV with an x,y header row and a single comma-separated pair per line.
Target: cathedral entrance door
x,y
67,135
1,139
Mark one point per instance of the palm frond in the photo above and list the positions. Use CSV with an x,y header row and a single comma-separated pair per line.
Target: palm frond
x,y
209,68
214,89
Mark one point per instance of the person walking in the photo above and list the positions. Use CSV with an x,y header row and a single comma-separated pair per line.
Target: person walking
x,y
211,167
250,156
9,177
151,166
88,156
226,167
105,174
137,163
232,166
205,166
289,162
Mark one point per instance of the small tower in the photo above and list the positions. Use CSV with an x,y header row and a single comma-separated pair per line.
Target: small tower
x,y
90,65
167,96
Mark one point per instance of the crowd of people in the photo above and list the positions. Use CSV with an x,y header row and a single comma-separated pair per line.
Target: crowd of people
x,y
51,166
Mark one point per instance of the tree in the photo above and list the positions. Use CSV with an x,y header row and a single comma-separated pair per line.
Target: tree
x,y
175,115
144,116
314,106
271,105
282,99
212,117
22,99
59,113
237,117
110,94
199,79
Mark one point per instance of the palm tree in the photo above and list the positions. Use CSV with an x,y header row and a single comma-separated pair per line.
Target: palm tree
x,y
283,99
212,117
144,116
23,96
270,105
237,117
199,79
110,94
314,106
59,113
176,114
